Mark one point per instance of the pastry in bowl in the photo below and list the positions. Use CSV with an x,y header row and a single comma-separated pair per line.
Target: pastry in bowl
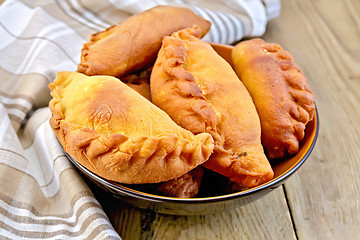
x,y
140,82
282,96
214,195
185,186
116,133
202,93
133,43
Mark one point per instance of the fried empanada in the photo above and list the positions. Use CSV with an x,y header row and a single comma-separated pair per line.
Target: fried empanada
x,y
185,186
142,86
201,92
133,43
116,133
140,82
280,92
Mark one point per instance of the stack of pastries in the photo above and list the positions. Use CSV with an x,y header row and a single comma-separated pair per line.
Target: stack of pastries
x,y
153,105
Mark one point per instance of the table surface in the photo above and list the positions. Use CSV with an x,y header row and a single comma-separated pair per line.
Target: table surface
x,y
322,199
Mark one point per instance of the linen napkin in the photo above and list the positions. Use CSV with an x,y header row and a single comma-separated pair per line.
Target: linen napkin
x,y
41,194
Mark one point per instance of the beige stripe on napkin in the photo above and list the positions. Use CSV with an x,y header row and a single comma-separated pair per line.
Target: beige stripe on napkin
x,y
20,94
41,194
30,213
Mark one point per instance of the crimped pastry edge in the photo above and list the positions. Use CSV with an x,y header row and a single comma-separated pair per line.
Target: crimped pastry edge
x,y
95,151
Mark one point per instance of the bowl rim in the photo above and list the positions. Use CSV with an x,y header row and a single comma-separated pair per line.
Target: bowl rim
x,y
226,197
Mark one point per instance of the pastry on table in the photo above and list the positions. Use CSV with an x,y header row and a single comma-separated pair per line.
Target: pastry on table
x,y
282,96
116,133
133,43
201,92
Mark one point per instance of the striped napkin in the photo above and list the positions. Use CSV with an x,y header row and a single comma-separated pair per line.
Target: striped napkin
x,y
41,194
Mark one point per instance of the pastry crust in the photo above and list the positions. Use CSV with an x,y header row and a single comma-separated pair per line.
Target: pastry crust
x,y
185,186
280,92
116,133
133,43
202,93
140,82
142,86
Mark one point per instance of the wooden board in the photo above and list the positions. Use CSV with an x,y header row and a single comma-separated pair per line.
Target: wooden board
x,y
266,218
324,38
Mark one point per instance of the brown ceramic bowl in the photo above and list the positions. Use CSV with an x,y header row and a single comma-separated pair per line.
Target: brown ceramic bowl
x,y
215,202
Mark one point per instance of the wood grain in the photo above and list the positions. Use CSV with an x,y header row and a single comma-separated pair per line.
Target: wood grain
x,y
324,195
266,218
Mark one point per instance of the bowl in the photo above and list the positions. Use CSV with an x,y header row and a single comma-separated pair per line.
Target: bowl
x,y
209,204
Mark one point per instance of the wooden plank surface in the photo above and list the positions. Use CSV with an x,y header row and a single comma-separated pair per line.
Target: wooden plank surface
x,y
325,40
266,218
323,196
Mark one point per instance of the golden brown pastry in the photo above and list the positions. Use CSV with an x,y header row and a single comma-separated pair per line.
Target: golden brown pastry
x,y
116,133
133,43
280,92
185,186
142,86
140,82
201,92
